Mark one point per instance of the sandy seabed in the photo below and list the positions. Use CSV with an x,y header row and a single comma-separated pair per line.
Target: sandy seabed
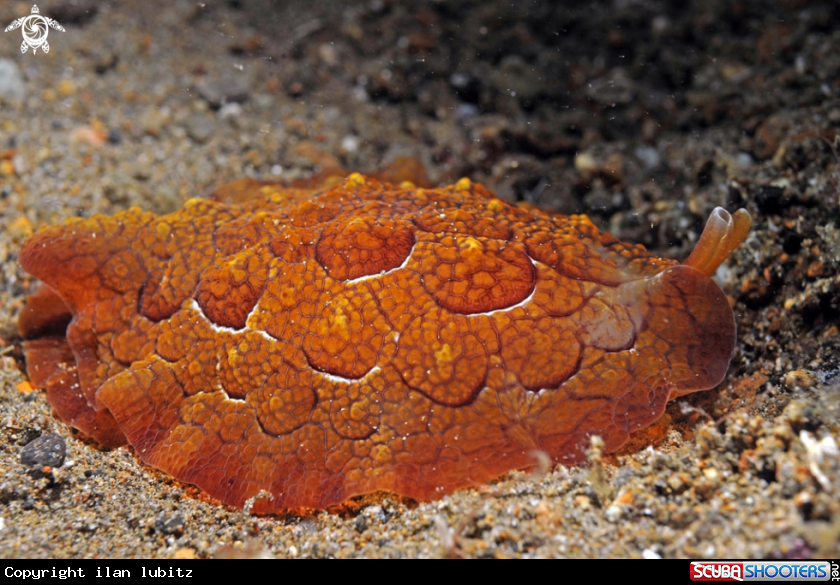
x,y
644,115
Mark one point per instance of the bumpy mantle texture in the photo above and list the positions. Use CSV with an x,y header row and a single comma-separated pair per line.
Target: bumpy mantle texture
x,y
319,343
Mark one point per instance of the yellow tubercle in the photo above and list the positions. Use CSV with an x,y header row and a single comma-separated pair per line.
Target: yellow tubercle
x,y
355,180
463,184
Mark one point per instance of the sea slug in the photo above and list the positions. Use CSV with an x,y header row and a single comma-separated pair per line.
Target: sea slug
x,y
322,342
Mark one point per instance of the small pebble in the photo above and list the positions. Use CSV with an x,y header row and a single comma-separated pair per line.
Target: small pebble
x,y
200,127
166,524
46,451
614,512
218,92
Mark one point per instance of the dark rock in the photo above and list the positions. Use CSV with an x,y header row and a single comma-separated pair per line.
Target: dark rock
x,y
770,199
45,451
360,523
791,242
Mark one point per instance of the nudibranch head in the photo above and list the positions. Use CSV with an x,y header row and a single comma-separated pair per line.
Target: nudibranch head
x,y
721,236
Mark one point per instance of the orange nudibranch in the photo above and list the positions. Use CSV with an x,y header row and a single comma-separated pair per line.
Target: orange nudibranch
x,y
319,342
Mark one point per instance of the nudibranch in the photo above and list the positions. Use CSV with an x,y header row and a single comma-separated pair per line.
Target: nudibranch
x,y
304,345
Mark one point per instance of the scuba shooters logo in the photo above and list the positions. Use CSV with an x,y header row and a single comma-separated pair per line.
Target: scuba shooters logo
x,y
717,571
764,571
35,29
